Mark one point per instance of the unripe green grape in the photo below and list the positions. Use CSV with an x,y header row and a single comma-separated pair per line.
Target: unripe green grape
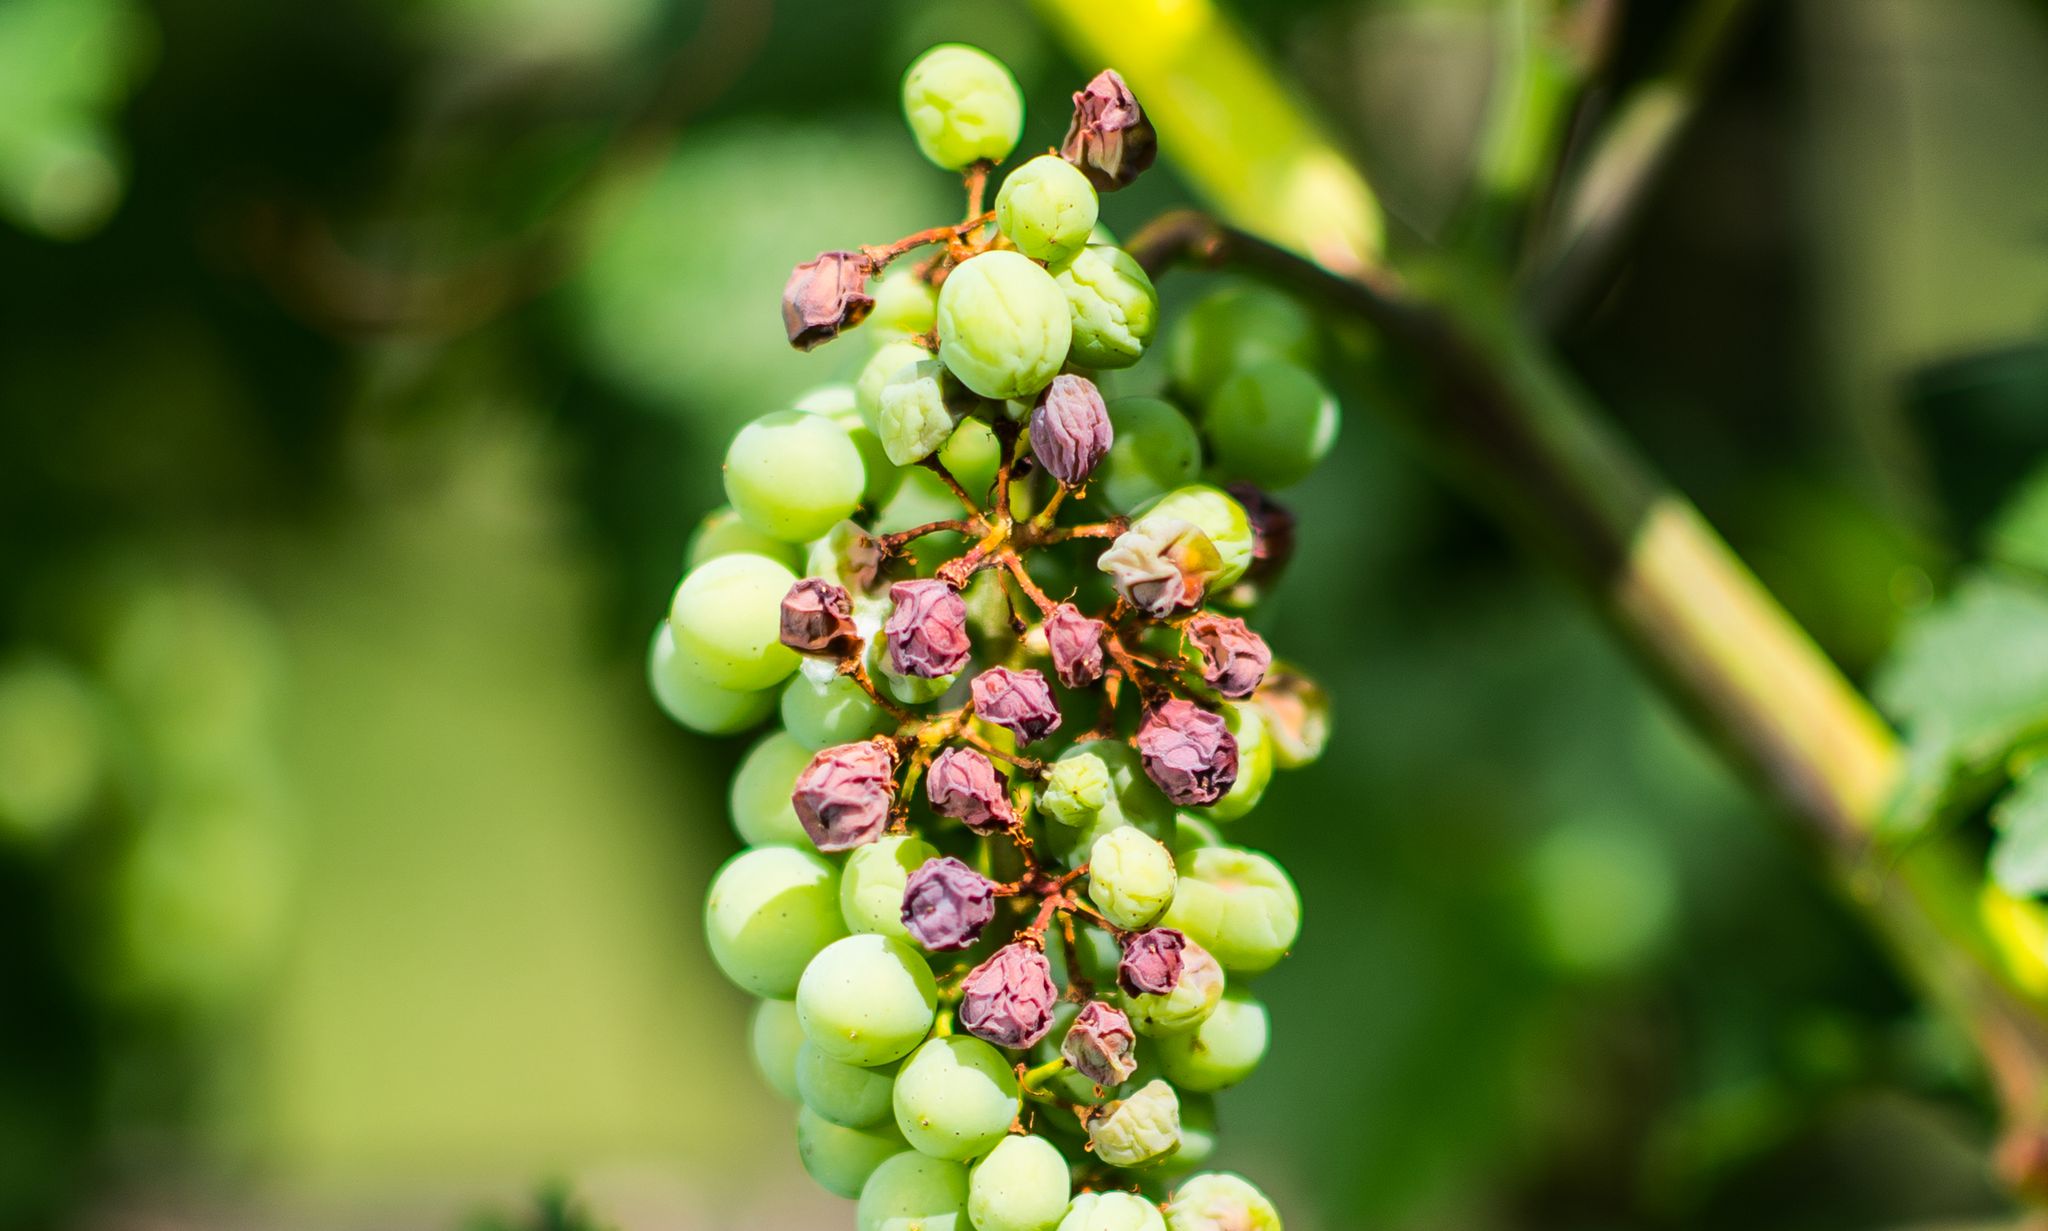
x,y
1247,725
1270,424
770,912
846,1094
1155,450
1220,1201
1191,831
682,692
823,714
839,1158
1023,1185
1220,1052
1047,208
1197,1133
723,532
773,1038
761,812
841,404
963,106
793,475
1003,326
1188,1005
972,455
1130,877
866,999
914,1192
1233,328
1138,1130
1112,1211
1112,306
889,360
1095,788
871,883
956,1098
918,412
727,618
1215,513
905,304
924,499
1237,904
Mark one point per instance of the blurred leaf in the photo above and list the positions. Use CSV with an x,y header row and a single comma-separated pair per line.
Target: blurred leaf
x,y
2020,533
2019,857
554,1209
65,65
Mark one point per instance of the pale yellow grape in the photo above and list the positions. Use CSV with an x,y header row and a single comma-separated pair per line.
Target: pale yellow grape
x,y
770,911
726,619
1237,904
956,1098
866,999
793,475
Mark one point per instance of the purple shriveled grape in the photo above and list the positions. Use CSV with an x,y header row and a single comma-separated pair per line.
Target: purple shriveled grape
x,y
964,785
1110,139
1020,701
817,618
842,797
927,630
1008,1000
1188,752
1101,1044
1234,658
1070,430
1152,962
825,296
1272,531
1076,645
946,904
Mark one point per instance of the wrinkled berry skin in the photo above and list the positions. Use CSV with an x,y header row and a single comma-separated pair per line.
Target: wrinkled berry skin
x,y
1152,962
1020,701
1070,429
1076,645
1008,1000
1109,139
817,618
1234,658
1161,566
824,297
1188,752
1272,531
1101,1044
964,785
1134,1131
842,798
946,904
927,630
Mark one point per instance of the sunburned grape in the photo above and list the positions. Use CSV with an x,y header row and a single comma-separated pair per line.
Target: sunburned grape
x,y
985,889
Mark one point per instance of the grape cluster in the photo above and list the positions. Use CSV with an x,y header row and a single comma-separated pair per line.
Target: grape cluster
x,y
1001,944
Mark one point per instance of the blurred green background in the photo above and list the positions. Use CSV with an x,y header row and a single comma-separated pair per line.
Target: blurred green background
x,y
365,365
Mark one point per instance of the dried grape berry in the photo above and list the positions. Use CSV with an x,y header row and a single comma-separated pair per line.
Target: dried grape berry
x,y
927,629
1188,752
946,904
1110,139
1008,999
1020,701
964,785
843,796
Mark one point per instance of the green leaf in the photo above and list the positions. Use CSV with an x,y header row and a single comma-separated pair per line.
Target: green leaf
x,y
1972,670
2019,535
2019,855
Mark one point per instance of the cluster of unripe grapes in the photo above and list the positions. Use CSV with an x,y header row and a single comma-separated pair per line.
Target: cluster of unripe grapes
x,y
1001,944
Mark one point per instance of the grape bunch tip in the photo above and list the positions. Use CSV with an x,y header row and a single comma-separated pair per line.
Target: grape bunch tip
x,y
1001,944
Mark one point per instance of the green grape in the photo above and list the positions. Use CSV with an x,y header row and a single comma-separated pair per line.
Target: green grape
x,y
1023,1185
1270,424
867,999
1138,1130
914,1192
1112,306
1003,327
963,106
925,498
919,407
774,1037
727,619
1254,762
1233,328
871,884
839,1158
841,404
53,750
684,695
1155,450
845,1094
771,910
793,475
1188,1005
1220,1052
822,714
1047,208
1237,904
1112,1211
761,811
1197,1133
889,360
1215,513
905,304
1220,1201
1130,877
956,1098
1191,831
723,532
972,455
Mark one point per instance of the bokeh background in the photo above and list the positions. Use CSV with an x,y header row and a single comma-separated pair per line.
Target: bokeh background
x,y
365,365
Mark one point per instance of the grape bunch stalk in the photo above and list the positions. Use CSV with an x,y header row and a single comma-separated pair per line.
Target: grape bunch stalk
x,y
1002,946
